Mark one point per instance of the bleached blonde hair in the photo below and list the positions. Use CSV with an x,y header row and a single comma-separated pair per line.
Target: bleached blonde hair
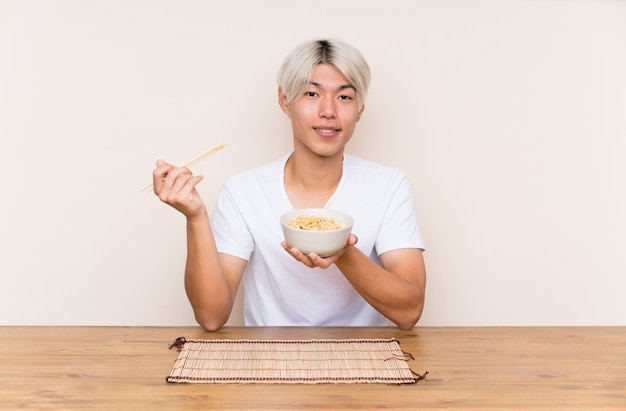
x,y
295,72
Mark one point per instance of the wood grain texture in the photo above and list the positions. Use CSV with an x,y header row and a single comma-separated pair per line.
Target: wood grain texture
x,y
470,368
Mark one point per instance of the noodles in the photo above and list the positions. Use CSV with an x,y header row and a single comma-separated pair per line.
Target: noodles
x,y
315,223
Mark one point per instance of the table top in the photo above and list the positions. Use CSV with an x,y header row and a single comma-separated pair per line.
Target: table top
x,y
470,368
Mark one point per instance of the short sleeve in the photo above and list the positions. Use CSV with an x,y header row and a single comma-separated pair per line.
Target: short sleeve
x,y
230,230
400,227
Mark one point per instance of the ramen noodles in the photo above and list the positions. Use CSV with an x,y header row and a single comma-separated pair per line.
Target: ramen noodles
x,y
315,223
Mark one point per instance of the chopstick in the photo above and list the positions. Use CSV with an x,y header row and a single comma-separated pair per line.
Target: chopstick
x,y
194,161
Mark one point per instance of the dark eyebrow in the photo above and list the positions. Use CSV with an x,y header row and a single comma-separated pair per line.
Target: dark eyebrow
x,y
342,87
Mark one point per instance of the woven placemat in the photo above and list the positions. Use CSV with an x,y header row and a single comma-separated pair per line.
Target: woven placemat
x,y
292,362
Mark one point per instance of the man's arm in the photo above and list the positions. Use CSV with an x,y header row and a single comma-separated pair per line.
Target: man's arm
x,y
396,289
211,278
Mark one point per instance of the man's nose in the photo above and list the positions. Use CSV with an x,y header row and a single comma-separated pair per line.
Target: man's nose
x,y
327,108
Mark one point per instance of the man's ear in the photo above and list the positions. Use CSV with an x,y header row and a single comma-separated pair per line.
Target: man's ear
x,y
283,102
361,111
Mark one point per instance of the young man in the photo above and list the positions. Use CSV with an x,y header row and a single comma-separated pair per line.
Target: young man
x,y
378,275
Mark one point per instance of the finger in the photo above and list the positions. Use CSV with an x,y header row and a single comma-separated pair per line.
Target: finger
x,y
179,181
188,185
161,170
165,187
182,191
353,239
297,254
159,174
195,180
318,261
171,177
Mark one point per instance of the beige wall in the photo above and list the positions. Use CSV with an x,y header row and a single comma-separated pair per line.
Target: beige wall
x,y
509,117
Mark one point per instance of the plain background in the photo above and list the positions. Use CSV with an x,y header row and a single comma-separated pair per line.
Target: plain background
x,y
508,116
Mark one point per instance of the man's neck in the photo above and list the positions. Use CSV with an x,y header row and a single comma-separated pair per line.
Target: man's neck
x,y
310,181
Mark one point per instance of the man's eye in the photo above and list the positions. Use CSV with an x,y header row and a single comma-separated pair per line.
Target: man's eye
x,y
344,97
310,93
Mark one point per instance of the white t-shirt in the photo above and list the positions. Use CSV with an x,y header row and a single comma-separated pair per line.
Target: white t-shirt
x,y
280,291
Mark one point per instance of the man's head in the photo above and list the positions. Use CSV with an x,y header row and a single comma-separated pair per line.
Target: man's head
x,y
295,72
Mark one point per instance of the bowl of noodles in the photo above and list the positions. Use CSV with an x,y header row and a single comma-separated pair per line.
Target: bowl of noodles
x,y
317,230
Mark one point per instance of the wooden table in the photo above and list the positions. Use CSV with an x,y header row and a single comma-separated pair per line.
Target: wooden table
x,y
471,368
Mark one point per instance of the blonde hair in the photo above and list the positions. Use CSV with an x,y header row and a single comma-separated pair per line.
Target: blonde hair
x,y
295,72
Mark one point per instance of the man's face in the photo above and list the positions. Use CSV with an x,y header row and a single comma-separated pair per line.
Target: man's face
x,y
324,115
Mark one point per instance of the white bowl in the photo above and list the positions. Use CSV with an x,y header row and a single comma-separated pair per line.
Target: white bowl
x,y
322,243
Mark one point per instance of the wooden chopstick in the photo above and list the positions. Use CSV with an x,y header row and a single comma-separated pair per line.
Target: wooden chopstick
x,y
194,161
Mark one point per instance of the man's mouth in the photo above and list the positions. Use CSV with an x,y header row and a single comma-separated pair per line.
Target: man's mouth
x,y
326,131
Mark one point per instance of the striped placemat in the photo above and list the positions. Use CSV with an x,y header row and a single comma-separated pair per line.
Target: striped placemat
x,y
292,362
